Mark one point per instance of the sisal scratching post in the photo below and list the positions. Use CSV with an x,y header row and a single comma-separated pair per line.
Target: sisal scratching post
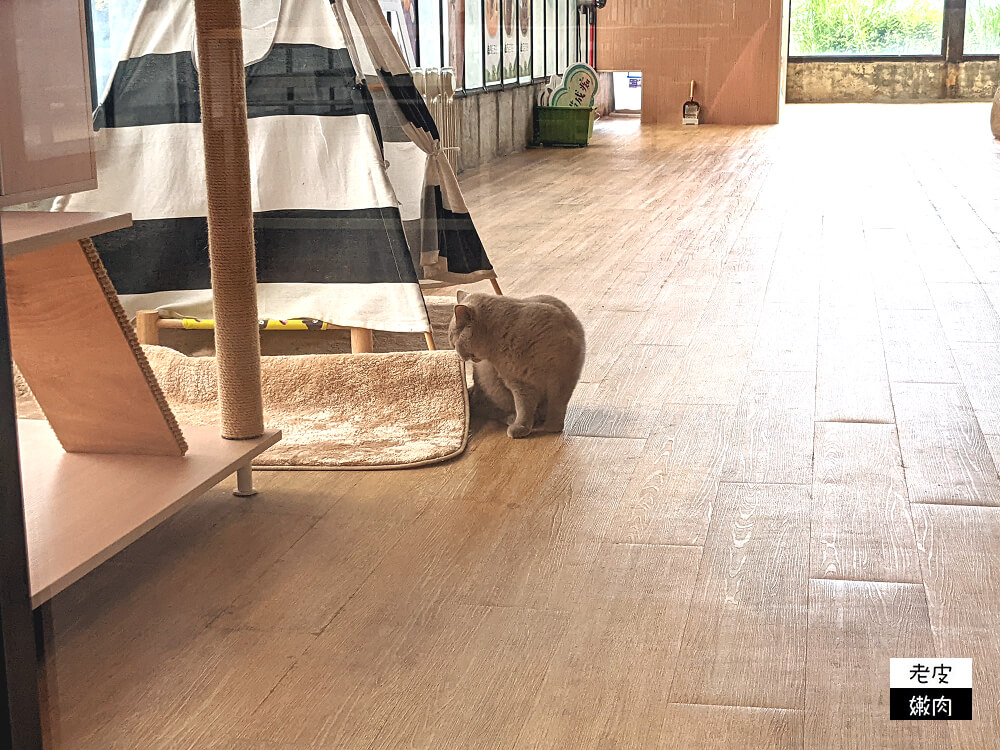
x,y
230,216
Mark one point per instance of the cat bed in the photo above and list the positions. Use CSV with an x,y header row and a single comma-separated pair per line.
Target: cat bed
x,y
335,411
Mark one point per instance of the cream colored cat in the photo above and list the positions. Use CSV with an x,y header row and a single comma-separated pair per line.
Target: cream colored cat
x,y
527,356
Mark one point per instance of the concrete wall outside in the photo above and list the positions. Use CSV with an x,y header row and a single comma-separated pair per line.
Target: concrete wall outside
x,y
495,123
892,81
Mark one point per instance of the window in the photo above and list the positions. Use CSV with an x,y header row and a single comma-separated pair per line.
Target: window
x,y
982,27
473,44
112,22
563,31
867,27
538,38
429,36
551,37
583,37
487,41
524,40
493,60
510,40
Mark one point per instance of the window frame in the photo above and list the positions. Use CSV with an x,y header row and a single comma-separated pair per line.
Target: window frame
x,y
952,43
960,35
576,51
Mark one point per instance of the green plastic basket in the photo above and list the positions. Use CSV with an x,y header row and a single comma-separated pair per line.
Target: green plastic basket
x,y
564,126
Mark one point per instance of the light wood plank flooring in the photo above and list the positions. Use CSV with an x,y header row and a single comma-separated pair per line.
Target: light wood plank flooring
x,y
779,471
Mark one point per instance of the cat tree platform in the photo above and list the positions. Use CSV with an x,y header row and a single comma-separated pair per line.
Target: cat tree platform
x,y
111,462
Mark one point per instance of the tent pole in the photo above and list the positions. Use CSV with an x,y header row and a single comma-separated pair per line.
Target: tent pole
x,y
496,286
230,216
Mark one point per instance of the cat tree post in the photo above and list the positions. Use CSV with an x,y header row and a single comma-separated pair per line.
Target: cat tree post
x,y
230,216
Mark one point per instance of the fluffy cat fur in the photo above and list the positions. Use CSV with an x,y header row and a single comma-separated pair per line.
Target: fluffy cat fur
x,y
527,355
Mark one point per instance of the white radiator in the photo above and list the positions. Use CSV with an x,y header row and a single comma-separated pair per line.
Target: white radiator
x,y
437,85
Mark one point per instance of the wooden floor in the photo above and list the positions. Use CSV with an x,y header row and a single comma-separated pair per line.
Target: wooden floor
x,y
779,472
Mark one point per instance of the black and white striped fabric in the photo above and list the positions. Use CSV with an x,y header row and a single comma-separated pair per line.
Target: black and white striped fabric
x,y
437,219
328,228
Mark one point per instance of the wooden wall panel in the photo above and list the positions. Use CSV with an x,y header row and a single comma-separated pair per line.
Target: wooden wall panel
x,y
731,48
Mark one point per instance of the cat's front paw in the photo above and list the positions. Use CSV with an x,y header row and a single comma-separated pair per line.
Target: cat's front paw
x,y
518,431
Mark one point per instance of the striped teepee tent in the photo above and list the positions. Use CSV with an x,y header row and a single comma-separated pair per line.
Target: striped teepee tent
x,y
329,233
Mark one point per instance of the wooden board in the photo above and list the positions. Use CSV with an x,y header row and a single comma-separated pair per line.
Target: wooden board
x,y
861,527
546,553
27,231
81,509
714,368
80,356
672,495
966,313
855,629
752,590
960,560
786,338
675,315
687,726
773,427
633,613
854,387
916,349
979,365
944,452
626,402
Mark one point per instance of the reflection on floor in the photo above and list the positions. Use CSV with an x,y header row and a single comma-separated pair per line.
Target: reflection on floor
x,y
778,473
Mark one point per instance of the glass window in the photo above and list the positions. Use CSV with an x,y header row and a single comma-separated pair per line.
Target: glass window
x,y
493,41
563,30
508,11
445,34
473,44
551,37
429,36
112,21
538,38
455,40
866,27
982,27
524,39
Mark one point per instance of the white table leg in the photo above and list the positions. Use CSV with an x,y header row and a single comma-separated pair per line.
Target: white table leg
x,y
244,482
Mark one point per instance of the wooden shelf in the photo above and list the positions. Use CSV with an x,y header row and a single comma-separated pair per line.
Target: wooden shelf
x,y
82,508
28,231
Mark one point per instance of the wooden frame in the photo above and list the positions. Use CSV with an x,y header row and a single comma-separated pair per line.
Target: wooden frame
x,y
72,342
148,325
91,483
83,508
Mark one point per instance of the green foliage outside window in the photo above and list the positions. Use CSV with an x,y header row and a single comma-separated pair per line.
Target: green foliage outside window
x,y
866,27
982,27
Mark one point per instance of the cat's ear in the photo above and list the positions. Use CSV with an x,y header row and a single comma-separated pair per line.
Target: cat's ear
x,y
462,294
463,315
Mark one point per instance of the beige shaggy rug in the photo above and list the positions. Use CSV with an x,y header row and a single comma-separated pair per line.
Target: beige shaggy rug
x,y
335,411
